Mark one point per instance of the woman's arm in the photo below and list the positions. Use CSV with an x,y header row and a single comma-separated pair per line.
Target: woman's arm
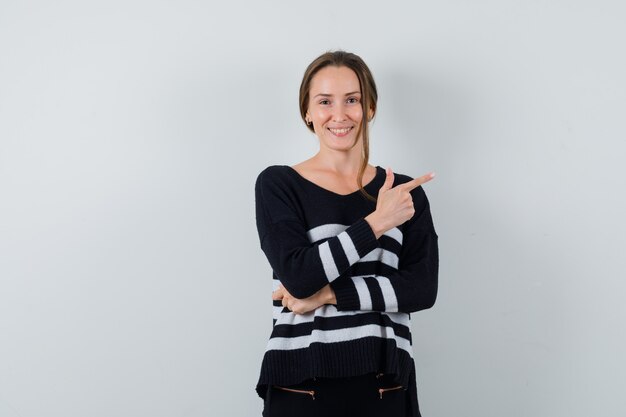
x,y
304,305
302,267
412,287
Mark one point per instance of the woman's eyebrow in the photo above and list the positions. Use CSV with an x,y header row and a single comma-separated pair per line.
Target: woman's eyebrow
x,y
330,95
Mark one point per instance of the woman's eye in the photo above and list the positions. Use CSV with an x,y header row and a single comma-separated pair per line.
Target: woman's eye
x,y
351,100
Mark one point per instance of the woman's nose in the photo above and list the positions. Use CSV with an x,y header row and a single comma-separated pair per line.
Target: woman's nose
x,y
339,113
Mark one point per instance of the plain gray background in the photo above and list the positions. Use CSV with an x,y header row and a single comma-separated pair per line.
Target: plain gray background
x,y
132,282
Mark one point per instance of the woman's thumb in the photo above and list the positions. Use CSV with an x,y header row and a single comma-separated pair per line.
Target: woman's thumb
x,y
388,180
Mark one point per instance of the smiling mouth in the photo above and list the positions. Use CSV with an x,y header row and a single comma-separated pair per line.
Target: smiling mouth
x,y
340,132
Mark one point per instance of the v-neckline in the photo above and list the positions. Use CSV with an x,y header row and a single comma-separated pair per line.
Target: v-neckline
x,y
379,173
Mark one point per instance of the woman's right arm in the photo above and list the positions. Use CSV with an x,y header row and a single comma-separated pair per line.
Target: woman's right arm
x,y
301,266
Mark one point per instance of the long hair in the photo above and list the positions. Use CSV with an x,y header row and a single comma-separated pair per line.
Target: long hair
x,y
369,98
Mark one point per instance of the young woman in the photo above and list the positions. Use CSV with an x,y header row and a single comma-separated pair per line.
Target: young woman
x,y
353,252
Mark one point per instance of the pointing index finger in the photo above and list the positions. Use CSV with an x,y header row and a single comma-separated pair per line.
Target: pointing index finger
x,y
416,182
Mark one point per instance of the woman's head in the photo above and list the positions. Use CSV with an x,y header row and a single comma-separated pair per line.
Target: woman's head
x,y
336,92
340,60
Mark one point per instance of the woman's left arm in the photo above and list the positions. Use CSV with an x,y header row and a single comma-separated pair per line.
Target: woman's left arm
x,y
410,288
413,286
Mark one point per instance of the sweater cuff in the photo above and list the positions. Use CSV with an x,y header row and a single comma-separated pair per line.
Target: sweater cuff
x,y
346,295
363,237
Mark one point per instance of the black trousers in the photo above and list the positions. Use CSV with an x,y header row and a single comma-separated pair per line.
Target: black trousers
x,y
370,395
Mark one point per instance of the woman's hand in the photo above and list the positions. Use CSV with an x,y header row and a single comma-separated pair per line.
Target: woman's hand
x,y
394,206
300,306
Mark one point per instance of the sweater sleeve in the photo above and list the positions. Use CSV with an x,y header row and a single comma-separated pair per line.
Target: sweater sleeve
x,y
413,286
301,266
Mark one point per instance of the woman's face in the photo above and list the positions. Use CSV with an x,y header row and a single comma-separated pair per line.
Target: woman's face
x,y
335,106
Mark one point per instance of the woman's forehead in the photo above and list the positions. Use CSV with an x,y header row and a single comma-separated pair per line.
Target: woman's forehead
x,y
335,81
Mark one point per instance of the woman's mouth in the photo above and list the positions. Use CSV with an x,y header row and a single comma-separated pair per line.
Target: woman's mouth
x,y
340,132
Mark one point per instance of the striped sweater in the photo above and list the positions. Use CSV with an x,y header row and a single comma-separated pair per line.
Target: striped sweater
x,y
312,237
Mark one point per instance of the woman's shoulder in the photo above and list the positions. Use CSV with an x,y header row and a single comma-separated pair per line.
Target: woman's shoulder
x,y
274,177
273,172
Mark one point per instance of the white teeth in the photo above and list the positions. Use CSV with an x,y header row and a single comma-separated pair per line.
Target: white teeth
x,y
340,131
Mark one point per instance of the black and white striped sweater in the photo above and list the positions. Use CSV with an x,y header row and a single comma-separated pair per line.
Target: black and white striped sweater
x,y
311,237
